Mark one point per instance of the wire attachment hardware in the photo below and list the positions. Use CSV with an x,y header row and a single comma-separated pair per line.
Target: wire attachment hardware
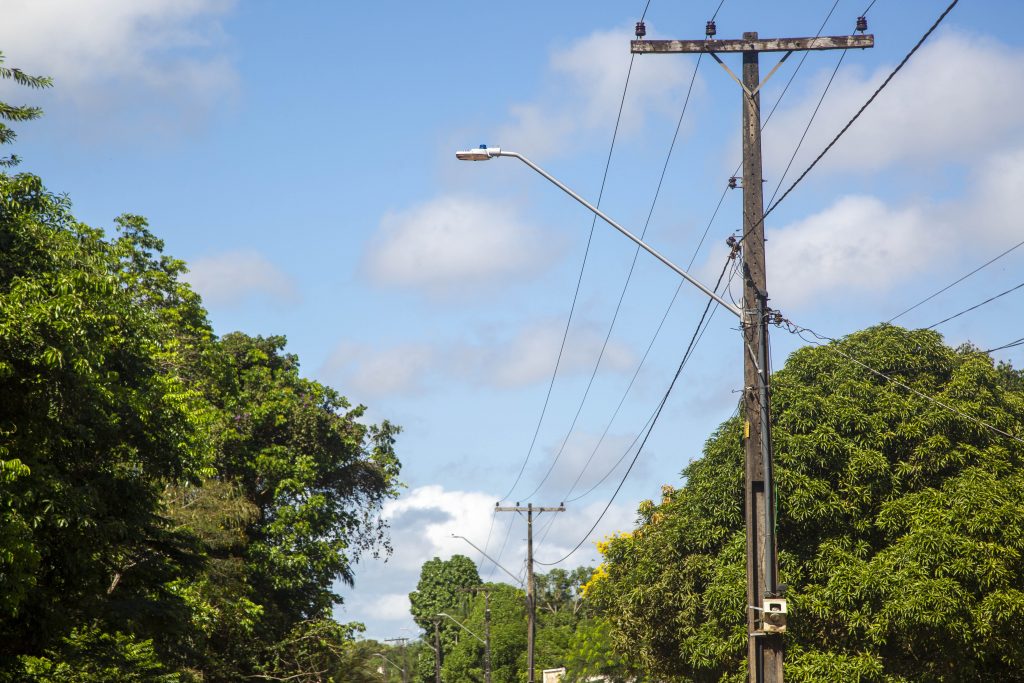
x,y
710,29
733,182
641,29
734,246
862,24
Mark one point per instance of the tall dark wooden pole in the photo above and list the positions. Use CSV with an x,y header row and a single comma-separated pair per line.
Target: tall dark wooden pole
x,y
764,645
487,636
764,651
531,611
531,602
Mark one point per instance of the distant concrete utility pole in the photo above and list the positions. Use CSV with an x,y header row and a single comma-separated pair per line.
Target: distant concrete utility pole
x,y
531,601
764,593
405,660
437,650
486,590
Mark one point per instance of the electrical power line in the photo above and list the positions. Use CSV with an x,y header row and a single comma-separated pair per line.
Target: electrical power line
x,y
625,286
653,422
956,282
861,110
692,258
817,340
579,280
978,305
807,128
1015,342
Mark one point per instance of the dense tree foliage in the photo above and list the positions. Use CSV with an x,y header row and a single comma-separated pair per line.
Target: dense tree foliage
x,y
173,506
569,632
901,526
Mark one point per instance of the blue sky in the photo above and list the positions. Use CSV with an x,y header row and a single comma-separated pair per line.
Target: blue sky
x,y
300,157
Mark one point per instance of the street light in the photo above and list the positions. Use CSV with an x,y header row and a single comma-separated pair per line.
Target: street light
x,y
483,153
514,577
463,626
378,654
487,643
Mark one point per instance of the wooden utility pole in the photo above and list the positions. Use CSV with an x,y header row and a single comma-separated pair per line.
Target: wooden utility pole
x,y
405,660
764,644
437,650
531,601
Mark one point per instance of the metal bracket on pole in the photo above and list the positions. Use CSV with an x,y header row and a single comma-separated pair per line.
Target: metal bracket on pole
x,y
750,93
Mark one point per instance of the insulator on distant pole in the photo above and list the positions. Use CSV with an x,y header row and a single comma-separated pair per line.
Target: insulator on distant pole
x,y
710,30
641,29
862,24
732,183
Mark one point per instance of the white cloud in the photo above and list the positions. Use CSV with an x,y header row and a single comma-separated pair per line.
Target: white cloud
x,y
992,209
374,371
958,97
424,519
527,357
392,606
105,55
452,243
857,243
585,87
236,276
571,527
530,356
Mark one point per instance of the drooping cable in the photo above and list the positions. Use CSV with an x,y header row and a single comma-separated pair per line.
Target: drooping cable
x,y
817,339
856,116
975,306
625,286
572,309
653,422
956,282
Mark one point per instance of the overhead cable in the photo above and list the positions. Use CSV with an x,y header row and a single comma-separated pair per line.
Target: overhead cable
x,y
956,282
650,428
859,112
625,286
978,305
817,340
579,280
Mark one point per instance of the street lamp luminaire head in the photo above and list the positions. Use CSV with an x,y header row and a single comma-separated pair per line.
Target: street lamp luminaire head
x,y
482,153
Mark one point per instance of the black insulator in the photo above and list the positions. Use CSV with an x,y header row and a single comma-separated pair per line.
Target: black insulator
x,y
731,240
641,29
710,30
862,24
732,183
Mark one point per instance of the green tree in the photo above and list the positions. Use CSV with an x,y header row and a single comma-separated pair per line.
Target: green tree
x,y
316,475
164,495
17,113
95,420
295,499
440,589
901,526
464,655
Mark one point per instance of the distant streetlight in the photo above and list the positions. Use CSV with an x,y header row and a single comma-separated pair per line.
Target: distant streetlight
x,y
378,654
484,153
514,577
487,642
462,626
